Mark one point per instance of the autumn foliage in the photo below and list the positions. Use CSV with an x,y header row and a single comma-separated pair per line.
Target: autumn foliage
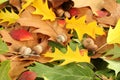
x,y
59,39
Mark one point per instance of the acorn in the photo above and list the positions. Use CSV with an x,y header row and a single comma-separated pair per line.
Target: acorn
x,y
89,44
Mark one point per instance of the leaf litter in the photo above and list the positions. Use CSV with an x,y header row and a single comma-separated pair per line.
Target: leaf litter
x,y
28,27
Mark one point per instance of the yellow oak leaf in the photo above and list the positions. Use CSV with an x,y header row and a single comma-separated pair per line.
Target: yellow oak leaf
x,y
26,4
7,16
69,56
114,34
82,27
43,9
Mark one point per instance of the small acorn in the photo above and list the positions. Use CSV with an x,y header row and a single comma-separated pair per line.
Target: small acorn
x,y
89,44
25,51
61,38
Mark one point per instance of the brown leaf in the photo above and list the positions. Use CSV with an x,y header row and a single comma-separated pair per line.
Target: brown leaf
x,y
3,5
17,67
45,27
40,59
14,45
100,41
27,19
95,5
57,3
15,3
2,58
114,9
86,11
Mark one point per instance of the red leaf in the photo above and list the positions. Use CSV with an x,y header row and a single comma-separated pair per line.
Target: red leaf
x,y
101,13
28,75
74,11
21,35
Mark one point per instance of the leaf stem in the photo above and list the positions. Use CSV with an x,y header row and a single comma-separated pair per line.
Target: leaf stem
x,y
101,47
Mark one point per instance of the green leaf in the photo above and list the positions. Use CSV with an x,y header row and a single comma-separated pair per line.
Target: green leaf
x,y
3,47
4,70
73,45
106,72
114,65
71,71
57,45
2,1
118,1
115,52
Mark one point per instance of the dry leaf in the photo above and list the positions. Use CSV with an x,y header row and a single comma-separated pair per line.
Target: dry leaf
x,y
44,27
95,5
86,11
3,5
40,59
57,3
2,58
15,3
114,9
69,56
14,45
17,68
100,41
27,19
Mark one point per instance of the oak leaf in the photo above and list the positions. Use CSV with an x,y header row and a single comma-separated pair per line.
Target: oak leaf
x,y
15,3
7,16
45,27
82,27
114,9
43,9
17,67
113,34
8,39
115,52
69,56
95,5
112,64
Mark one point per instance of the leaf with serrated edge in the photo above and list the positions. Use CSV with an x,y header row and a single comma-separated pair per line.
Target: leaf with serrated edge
x,y
83,28
43,9
114,65
4,70
3,47
71,71
10,17
115,52
114,34
69,56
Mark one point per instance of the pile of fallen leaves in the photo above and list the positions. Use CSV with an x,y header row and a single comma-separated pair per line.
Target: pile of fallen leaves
x,y
59,40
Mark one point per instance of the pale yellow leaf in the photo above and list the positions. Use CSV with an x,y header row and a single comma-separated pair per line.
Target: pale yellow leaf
x,y
43,9
82,27
7,16
69,56
114,34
